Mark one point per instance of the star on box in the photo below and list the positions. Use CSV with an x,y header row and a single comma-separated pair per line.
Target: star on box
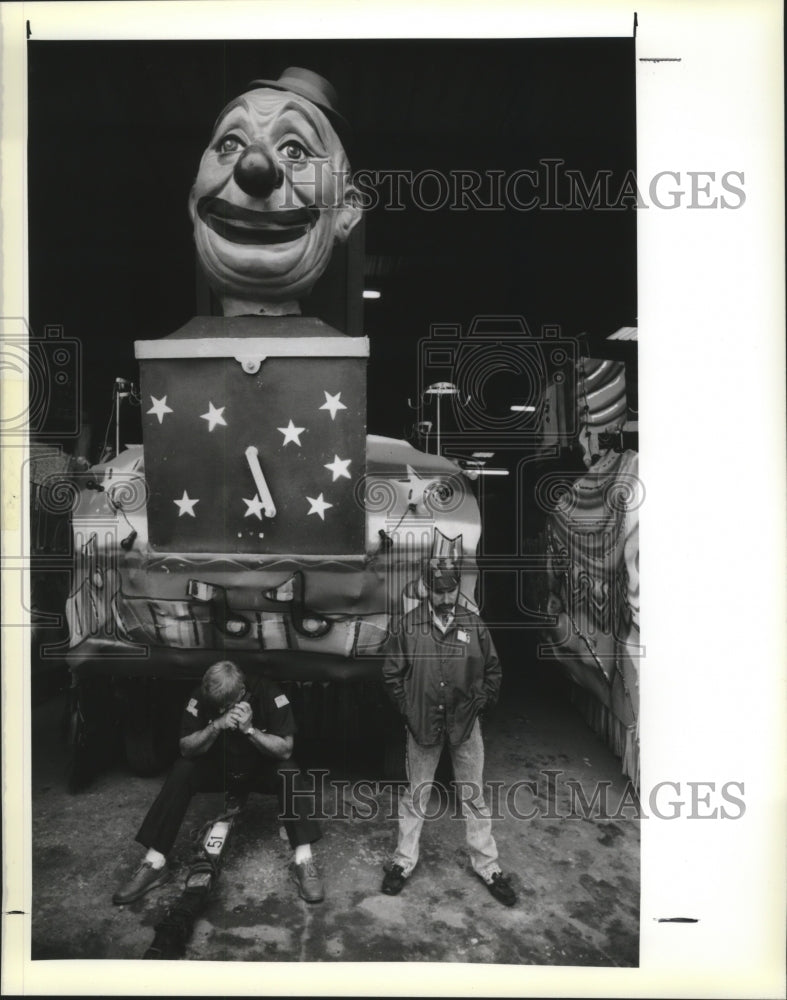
x,y
333,403
263,457
160,408
214,416
292,434
318,506
339,468
185,505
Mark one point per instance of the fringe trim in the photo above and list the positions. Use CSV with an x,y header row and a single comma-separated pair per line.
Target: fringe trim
x,y
622,740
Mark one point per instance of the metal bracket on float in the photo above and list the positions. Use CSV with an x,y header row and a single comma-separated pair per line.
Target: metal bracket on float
x,y
251,365
228,622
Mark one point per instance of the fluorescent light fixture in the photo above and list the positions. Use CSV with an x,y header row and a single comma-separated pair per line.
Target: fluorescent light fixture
x,y
624,333
491,472
523,409
371,293
483,454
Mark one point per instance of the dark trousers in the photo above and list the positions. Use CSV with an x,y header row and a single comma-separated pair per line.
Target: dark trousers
x,y
199,774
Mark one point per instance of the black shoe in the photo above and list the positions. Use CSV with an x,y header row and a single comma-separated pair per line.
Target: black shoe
x,y
394,880
145,878
500,888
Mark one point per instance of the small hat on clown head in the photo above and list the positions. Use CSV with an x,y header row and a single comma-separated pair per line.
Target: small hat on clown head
x,y
314,88
442,575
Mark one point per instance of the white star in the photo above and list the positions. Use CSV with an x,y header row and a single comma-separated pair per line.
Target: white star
x,y
254,506
417,486
160,407
318,506
214,416
333,403
338,467
185,505
291,433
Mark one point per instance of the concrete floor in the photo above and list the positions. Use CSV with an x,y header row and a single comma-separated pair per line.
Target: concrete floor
x,y
577,879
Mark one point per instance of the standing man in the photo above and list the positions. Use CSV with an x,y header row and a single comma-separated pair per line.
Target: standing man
x,y
442,671
232,737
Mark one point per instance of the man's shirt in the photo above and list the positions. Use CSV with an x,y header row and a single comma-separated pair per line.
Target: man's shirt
x,y
270,711
438,680
442,623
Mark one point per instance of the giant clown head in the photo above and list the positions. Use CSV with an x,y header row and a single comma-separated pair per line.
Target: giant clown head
x,y
273,194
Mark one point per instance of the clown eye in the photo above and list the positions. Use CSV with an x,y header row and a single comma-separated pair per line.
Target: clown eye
x,y
294,151
229,144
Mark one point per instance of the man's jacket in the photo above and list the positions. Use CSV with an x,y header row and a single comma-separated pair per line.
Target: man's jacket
x,y
441,682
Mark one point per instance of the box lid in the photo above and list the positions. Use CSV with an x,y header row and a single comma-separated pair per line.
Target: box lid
x,y
256,337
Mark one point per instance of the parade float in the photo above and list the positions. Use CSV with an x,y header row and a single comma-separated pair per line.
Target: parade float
x,y
592,548
258,520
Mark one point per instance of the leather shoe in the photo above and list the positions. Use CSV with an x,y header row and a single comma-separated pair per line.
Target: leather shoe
x,y
145,878
306,876
394,880
500,888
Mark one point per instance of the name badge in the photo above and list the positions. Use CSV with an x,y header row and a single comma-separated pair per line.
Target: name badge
x,y
462,636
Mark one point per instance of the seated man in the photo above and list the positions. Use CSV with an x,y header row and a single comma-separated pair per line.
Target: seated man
x,y
232,737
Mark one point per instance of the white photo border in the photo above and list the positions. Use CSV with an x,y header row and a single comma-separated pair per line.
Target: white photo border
x,y
711,326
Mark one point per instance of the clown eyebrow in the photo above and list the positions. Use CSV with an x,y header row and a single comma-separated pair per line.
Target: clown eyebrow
x,y
290,108
239,102
300,111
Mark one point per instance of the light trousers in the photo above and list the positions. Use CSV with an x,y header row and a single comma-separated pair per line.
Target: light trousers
x,y
468,764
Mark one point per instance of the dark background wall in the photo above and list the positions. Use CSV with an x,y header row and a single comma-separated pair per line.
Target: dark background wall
x,y
116,130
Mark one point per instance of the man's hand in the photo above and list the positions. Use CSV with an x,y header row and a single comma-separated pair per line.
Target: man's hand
x,y
226,721
200,742
240,715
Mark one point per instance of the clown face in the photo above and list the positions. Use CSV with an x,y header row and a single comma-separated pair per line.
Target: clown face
x,y
271,198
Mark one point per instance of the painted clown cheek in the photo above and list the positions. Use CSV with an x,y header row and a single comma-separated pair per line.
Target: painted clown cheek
x,y
276,247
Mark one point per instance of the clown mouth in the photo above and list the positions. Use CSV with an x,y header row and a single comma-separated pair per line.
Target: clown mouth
x,y
244,225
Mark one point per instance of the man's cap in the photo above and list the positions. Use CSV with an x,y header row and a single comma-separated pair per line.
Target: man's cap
x,y
442,576
314,88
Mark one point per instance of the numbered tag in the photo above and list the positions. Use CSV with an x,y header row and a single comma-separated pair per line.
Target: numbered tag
x,y
215,837
463,636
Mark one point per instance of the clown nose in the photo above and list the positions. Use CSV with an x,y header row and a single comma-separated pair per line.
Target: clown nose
x,y
256,173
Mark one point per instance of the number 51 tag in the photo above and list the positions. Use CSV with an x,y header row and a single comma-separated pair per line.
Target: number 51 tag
x,y
214,840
